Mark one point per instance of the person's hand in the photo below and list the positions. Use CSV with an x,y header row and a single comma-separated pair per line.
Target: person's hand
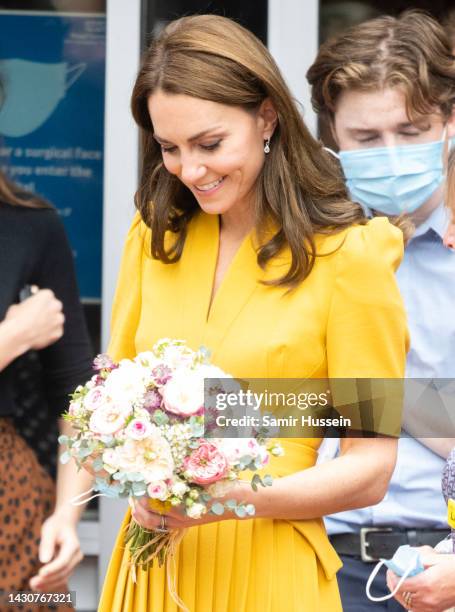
x,y
60,552
38,320
432,590
177,519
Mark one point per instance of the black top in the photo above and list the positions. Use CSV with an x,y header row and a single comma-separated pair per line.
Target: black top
x,y
34,250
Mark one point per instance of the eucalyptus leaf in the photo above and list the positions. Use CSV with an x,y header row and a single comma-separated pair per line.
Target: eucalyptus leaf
x,y
135,476
65,457
98,464
240,511
231,504
246,459
217,509
138,488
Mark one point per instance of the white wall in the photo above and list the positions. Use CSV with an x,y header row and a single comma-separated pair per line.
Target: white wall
x,y
293,42
120,140
120,183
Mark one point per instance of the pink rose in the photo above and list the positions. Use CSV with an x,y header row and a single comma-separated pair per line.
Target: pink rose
x,y
206,464
158,490
138,429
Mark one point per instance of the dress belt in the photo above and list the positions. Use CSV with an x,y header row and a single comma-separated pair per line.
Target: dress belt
x,y
374,543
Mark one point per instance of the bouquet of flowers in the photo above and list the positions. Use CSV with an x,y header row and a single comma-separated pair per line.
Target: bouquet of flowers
x,y
140,423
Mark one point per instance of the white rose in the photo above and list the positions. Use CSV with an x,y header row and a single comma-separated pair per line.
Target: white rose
x,y
196,511
127,383
108,419
179,489
184,393
178,356
147,359
95,398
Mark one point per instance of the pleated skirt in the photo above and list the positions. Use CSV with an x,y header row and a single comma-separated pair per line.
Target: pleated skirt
x,y
256,565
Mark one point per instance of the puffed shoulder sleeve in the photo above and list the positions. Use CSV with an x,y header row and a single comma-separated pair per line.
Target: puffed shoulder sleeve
x,y
367,334
126,308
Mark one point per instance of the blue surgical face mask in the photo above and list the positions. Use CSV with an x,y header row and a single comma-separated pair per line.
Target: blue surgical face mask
x,y
394,180
406,562
32,91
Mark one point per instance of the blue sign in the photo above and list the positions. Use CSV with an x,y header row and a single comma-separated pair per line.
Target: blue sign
x,y
52,72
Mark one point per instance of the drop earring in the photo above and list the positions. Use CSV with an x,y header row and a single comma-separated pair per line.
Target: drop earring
x,y
267,146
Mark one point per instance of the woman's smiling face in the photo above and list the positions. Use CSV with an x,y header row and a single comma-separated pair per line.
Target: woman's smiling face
x,y
216,150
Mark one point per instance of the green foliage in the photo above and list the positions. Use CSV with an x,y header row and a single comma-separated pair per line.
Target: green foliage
x,y
217,509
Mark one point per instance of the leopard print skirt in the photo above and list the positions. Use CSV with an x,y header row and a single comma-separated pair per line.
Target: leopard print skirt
x,y
27,497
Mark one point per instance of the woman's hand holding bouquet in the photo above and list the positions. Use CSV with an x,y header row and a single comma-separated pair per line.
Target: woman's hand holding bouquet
x,y
139,426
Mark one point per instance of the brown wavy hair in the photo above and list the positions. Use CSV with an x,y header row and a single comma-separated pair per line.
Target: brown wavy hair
x,y
412,51
449,24
299,189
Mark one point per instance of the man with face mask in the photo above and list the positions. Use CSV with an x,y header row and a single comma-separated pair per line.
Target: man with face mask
x,y
387,89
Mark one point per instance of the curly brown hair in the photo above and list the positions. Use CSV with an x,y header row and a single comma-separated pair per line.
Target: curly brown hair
x,y
412,51
449,25
300,189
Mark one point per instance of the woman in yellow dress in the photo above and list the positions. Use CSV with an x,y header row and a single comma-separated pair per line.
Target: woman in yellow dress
x,y
245,243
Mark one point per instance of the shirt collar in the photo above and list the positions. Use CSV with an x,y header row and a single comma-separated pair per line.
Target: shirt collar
x,y
438,221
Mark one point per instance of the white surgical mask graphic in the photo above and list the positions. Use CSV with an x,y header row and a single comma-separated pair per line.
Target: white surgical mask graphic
x,y
31,93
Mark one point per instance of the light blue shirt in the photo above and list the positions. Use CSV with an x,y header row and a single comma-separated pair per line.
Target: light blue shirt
x,y
427,281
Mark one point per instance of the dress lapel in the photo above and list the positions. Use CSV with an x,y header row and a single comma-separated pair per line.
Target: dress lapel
x,y
205,324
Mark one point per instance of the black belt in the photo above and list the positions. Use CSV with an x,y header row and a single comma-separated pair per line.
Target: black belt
x,y
373,543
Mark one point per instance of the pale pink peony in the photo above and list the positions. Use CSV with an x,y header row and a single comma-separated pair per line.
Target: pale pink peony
x,y
184,393
95,398
108,419
206,464
127,383
151,456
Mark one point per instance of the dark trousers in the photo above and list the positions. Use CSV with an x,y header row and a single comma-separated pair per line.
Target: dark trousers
x,y
352,580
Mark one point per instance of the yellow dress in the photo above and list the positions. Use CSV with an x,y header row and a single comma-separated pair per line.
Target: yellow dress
x,y
345,320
